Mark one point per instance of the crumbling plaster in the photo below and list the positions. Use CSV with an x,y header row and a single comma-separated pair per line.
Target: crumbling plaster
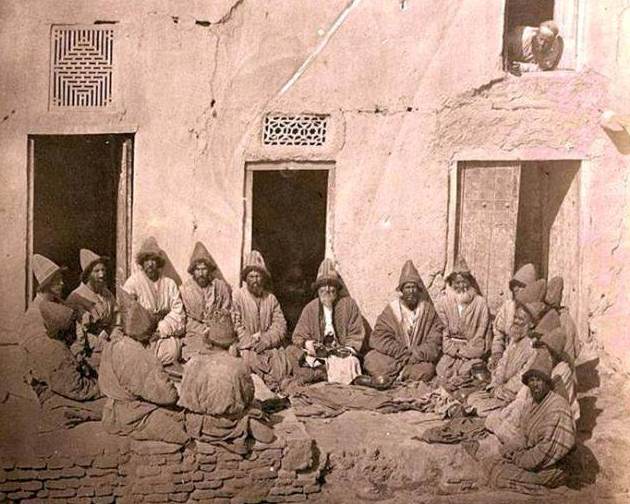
x,y
410,87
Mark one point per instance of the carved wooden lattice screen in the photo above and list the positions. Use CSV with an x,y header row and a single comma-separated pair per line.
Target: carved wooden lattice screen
x,y
82,61
304,129
488,209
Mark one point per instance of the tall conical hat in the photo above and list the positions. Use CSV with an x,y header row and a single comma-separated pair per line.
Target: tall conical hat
x,y
254,261
88,260
44,269
541,367
555,340
535,309
525,275
200,254
533,293
408,274
554,291
548,322
138,322
150,248
460,265
327,275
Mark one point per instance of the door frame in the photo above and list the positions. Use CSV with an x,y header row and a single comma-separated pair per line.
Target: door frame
x,y
124,209
453,211
252,167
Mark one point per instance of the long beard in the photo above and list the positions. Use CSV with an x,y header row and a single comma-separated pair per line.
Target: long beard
x,y
464,298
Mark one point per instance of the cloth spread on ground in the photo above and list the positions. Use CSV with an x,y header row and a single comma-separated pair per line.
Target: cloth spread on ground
x,y
456,430
326,400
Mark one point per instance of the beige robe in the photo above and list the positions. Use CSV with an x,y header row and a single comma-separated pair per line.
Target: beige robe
x,y
161,298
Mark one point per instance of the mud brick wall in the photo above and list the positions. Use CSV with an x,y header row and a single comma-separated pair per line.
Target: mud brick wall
x,y
288,470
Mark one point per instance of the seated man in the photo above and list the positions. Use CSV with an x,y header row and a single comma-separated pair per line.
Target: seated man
x,y
140,395
330,330
505,315
506,377
260,324
531,49
407,339
95,304
466,318
202,294
563,373
160,295
217,390
545,433
66,388
553,299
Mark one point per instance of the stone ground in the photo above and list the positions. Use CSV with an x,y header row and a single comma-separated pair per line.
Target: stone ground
x,y
373,457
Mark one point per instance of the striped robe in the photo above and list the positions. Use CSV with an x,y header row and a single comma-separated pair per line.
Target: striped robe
x,y
548,434
565,384
466,338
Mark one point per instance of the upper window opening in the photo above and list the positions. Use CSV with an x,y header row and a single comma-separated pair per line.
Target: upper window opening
x,y
540,35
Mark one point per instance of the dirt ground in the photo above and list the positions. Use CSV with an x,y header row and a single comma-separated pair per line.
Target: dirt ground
x,y
374,457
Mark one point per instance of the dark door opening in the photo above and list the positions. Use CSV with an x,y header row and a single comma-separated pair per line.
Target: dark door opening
x,y
289,229
80,191
524,13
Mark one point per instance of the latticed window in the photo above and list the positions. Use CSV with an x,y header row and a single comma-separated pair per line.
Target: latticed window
x,y
303,129
81,66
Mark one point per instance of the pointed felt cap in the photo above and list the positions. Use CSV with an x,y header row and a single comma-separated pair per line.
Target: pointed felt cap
x,y
533,293
541,367
138,322
554,291
57,317
200,254
409,274
524,276
460,265
88,260
548,322
555,340
254,261
327,275
150,248
535,310
44,269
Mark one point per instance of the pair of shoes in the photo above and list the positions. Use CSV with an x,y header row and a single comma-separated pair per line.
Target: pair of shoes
x,y
378,382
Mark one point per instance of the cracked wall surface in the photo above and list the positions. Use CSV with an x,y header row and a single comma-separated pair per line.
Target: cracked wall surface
x,y
410,88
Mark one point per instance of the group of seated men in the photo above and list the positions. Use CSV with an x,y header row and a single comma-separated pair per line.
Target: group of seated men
x,y
517,370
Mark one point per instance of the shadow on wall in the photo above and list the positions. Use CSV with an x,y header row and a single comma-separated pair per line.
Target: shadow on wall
x,y
621,139
587,376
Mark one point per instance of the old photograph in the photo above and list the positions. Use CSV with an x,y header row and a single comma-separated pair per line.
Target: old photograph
x,y
327,251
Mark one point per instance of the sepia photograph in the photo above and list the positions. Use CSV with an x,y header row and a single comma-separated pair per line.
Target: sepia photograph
x,y
325,251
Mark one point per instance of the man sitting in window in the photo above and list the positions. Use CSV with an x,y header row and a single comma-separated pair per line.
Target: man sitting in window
x,y
532,49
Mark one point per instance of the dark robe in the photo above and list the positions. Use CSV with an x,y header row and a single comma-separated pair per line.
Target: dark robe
x,y
395,353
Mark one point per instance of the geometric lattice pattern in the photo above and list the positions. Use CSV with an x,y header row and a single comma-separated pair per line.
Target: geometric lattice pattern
x,y
81,66
304,129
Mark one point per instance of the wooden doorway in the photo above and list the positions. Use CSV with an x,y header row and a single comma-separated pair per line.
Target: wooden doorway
x,y
512,213
80,190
